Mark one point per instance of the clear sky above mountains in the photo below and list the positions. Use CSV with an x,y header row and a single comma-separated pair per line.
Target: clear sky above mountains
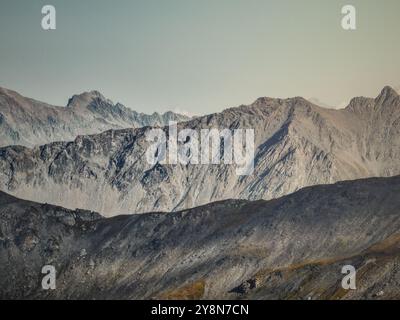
x,y
199,56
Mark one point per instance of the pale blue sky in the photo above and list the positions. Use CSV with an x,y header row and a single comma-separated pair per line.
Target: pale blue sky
x,y
199,55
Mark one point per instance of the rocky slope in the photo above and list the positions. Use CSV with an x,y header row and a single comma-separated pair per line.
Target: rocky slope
x,y
28,122
289,248
297,144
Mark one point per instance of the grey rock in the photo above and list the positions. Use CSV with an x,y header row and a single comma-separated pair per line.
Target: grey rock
x,y
28,122
288,248
298,144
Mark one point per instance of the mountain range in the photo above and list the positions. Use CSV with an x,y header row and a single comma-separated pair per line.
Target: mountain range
x,y
298,144
27,122
292,247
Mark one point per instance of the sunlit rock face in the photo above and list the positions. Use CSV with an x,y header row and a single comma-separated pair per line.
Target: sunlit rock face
x,y
28,122
297,144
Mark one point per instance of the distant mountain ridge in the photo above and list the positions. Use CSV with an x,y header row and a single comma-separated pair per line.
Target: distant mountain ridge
x,y
298,144
27,122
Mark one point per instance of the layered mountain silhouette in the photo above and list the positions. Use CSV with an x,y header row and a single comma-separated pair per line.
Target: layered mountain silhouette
x,y
293,247
298,144
27,122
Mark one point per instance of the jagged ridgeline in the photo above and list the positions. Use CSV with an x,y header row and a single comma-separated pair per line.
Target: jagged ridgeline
x,y
297,144
28,122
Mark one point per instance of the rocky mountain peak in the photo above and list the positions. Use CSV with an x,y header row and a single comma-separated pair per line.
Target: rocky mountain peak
x,y
35,123
387,94
86,98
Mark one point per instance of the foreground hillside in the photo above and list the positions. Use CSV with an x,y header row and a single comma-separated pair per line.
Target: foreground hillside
x,y
290,248
297,144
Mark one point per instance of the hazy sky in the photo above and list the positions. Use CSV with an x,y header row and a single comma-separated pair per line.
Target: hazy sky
x,y
199,55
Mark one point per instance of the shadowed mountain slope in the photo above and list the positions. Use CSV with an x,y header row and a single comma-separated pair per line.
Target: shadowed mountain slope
x,y
291,247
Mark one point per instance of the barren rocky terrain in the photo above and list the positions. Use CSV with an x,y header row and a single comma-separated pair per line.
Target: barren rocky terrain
x,y
289,248
28,122
297,143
